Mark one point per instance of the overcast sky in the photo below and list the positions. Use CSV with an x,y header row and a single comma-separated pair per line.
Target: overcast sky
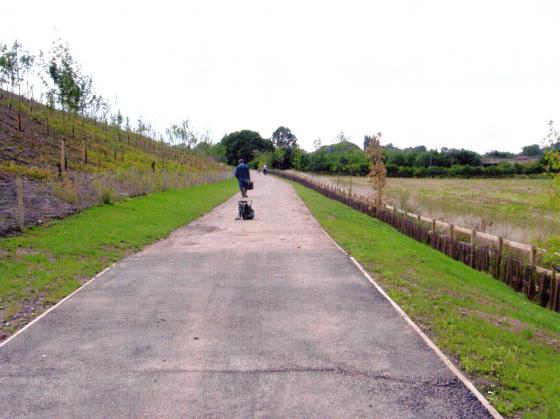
x,y
482,75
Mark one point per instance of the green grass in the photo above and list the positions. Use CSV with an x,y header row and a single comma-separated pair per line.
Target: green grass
x,y
45,264
509,346
516,208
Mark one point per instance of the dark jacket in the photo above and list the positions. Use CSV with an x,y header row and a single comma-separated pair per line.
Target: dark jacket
x,y
242,174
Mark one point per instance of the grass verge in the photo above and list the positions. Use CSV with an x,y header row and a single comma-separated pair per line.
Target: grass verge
x,y
507,345
45,264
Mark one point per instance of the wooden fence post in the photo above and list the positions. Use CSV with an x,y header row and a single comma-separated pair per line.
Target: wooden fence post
x,y
19,199
552,291
532,256
433,225
451,230
554,288
556,282
473,242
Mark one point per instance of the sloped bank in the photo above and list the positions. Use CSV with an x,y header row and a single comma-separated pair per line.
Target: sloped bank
x,y
46,199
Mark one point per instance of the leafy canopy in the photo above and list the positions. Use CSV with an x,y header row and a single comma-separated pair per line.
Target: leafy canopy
x,y
243,145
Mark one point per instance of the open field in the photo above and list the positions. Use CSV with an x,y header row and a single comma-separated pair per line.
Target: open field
x,y
516,208
45,264
508,346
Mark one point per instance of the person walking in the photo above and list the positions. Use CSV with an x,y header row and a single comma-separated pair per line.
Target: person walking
x,y
243,177
265,169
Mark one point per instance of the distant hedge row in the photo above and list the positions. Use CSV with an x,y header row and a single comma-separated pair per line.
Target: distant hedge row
x,y
465,171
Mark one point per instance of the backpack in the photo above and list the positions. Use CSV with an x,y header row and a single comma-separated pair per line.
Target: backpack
x,y
246,212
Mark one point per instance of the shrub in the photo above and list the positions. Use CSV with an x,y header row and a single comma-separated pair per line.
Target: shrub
x,y
107,195
68,190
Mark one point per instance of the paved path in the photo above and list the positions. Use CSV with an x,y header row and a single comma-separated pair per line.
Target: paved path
x,y
262,318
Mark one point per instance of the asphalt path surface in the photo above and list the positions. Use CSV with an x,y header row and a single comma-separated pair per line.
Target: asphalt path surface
x,y
226,318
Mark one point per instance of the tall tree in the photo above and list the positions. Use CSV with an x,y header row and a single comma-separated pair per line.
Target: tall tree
x,y
241,145
182,134
378,172
3,64
284,139
551,146
66,83
531,150
15,64
341,137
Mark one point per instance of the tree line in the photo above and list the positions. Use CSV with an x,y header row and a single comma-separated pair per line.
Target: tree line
x,y
449,162
343,157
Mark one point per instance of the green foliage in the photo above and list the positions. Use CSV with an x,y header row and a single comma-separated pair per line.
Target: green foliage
x,y
69,86
32,172
500,154
532,150
15,63
501,170
182,134
420,157
262,159
3,64
507,345
278,158
552,160
298,159
242,145
107,195
283,139
340,158
216,152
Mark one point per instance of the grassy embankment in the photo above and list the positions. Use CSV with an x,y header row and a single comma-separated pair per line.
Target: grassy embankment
x,y
516,208
35,150
509,346
47,263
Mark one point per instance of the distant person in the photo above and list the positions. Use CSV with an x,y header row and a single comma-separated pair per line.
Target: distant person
x,y
243,177
265,169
